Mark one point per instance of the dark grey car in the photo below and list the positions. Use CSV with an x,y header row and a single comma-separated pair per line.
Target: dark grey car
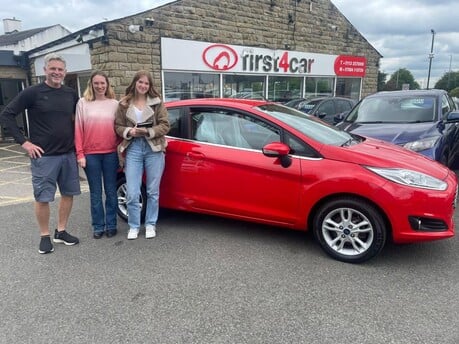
x,y
323,107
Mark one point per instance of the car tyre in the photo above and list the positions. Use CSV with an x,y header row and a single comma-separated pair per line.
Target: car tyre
x,y
349,229
121,192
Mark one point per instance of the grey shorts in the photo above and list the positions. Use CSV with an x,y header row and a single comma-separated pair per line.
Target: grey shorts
x,y
48,172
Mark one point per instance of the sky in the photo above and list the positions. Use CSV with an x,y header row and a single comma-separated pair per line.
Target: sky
x,y
400,30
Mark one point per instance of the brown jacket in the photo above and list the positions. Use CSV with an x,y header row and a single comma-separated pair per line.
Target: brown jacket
x,y
125,119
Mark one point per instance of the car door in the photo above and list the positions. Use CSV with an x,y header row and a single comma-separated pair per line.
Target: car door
x,y
222,170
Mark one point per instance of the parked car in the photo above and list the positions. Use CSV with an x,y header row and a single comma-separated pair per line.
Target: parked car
x,y
323,107
425,121
267,163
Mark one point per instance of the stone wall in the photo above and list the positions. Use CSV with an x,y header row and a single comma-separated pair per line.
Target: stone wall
x,y
314,27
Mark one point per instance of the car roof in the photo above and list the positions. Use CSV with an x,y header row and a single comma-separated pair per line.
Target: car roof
x,y
218,102
430,92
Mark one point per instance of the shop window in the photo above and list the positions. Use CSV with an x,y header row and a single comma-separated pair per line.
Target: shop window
x,y
283,89
9,88
348,87
244,86
82,83
178,86
319,86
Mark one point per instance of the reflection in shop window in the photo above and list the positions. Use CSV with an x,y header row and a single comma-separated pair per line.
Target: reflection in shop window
x,y
348,87
178,85
244,86
319,86
282,89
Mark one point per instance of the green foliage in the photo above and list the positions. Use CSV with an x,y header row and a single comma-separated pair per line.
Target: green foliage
x,y
381,81
399,78
454,92
448,81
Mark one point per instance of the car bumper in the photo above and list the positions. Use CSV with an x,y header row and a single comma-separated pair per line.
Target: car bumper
x,y
424,215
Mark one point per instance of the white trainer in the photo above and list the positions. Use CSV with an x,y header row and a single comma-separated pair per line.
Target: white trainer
x,y
150,231
133,233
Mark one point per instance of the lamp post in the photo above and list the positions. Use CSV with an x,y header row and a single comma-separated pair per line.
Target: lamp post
x,y
431,56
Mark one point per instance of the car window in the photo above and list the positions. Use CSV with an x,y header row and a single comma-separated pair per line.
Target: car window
x,y
308,105
394,109
307,124
174,120
342,105
445,105
232,129
298,147
326,107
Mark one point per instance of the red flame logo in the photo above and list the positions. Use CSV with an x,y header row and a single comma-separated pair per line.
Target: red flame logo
x,y
220,57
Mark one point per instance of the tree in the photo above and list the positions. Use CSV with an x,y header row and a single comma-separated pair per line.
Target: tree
x,y
448,81
399,78
454,92
382,81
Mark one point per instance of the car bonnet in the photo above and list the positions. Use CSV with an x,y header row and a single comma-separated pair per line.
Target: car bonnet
x,y
397,133
378,153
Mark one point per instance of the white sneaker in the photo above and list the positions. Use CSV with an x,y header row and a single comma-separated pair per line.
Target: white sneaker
x,y
133,233
150,231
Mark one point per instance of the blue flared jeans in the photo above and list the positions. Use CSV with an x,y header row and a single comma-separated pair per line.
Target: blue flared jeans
x,y
141,159
101,171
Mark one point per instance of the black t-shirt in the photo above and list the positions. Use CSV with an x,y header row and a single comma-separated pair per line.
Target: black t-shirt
x,y
51,115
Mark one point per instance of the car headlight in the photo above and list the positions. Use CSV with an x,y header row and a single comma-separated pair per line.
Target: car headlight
x,y
410,178
421,145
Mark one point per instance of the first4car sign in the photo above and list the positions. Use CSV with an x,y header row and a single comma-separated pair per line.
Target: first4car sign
x,y
203,56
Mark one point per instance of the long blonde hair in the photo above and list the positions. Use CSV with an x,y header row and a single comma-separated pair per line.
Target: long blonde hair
x,y
89,91
131,91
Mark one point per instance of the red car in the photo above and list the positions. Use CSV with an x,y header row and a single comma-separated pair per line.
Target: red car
x,y
264,162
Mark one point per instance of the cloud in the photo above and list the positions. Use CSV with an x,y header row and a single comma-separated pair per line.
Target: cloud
x,y
401,32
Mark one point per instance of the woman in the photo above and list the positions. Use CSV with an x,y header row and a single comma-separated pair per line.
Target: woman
x,y
144,147
96,147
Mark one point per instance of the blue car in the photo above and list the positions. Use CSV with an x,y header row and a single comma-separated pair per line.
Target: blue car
x,y
425,121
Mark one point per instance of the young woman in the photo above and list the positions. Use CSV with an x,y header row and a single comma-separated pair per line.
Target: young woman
x,y
144,147
96,146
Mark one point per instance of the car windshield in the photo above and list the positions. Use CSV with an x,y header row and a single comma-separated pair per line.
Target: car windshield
x,y
394,109
308,125
308,105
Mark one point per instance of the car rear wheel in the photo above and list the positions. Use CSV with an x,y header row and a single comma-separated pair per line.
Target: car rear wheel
x,y
350,230
121,191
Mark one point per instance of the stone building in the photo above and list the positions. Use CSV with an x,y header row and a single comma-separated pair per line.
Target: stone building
x,y
276,49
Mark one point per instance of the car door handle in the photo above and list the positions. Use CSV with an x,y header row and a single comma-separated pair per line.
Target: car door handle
x,y
195,155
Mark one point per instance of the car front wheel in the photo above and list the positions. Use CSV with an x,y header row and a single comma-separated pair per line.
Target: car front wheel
x,y
350,230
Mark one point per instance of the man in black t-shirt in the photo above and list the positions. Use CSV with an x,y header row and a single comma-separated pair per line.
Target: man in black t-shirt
x,y
50,109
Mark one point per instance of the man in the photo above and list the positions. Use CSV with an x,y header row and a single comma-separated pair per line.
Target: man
x,y
51,108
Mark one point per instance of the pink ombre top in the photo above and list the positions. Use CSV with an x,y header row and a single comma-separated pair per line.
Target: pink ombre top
x,y
95,127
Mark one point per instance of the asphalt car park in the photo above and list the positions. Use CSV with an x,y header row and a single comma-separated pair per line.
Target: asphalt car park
x,y
206,279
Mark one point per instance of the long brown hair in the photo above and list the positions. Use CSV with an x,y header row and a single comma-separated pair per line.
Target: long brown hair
x,y
88,93
131,92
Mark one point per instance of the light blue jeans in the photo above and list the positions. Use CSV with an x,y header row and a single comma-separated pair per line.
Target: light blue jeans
x,y
140,158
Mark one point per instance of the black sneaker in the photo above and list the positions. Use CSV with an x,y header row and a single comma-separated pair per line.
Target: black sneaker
x,y
45,245
65,238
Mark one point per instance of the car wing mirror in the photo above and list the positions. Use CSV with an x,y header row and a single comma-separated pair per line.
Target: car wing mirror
x,y
278,150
